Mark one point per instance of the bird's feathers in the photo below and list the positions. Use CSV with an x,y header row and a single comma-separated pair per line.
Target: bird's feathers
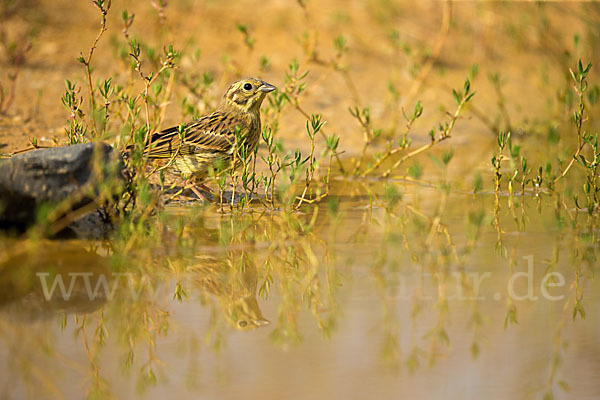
x,y
213,133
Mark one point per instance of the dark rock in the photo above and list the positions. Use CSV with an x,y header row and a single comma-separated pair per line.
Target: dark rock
x,y
69,177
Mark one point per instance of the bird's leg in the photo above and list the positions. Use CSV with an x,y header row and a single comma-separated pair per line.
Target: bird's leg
x,y
203,186
194,186
198,193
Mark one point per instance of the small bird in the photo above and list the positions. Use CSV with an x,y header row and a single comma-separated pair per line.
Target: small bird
x,y
210,141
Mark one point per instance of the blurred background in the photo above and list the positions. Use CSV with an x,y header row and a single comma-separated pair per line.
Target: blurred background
x,y
380,54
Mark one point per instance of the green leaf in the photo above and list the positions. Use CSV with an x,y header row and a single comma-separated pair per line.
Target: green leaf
x,y
573,75
415,171
418,110
477,182
473,71
578,309
456,96
447,156
436,161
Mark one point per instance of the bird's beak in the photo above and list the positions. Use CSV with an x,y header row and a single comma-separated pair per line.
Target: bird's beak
x,y
265,87
262,321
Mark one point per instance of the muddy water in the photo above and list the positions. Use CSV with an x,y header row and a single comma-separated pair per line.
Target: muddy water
x,y
397,292
419,294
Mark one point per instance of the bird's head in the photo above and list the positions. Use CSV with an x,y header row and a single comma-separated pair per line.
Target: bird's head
x,y
247,94
244,314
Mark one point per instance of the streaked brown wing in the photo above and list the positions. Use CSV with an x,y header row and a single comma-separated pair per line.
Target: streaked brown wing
x,y
214,133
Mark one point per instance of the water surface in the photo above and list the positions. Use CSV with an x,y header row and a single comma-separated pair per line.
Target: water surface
x,y
419,293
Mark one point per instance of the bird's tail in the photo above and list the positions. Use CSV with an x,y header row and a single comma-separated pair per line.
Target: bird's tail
x,y
147,152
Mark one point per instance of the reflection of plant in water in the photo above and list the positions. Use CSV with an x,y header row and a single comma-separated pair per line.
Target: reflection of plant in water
x,y
285,258
582,256
435,255
233,281
260,260
299,266
97,386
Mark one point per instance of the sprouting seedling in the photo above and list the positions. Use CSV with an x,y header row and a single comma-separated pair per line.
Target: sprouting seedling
x,y
182,132
580,86
525,170
127,22
443,132
340,46
591,163
168,61
295,85
538,179
248,39
265,64
442,163
549,175
16,53
415,171
294,80
502,140
447,156
272,161
477,182
278,100
160,7
410,120
511,180
106,91
238,154
497,82
363,116
103,6
332,142
72,101
312,128
496,164
403,142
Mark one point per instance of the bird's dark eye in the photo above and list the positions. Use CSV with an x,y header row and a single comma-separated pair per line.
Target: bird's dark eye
x,y
243,323
247,86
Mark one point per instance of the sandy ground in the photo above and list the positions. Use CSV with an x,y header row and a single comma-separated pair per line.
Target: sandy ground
x,y
388,43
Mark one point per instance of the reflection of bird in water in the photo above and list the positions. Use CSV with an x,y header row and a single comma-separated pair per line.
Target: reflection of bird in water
x,y
233,281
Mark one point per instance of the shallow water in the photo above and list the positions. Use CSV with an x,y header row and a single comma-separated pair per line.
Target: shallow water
x,y
410,295
387,290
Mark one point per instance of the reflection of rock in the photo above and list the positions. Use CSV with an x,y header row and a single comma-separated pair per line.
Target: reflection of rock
x,y
30,287
234,284
51,176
